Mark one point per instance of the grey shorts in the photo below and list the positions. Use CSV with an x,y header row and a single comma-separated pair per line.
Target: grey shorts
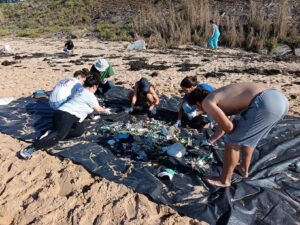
x,y
265,110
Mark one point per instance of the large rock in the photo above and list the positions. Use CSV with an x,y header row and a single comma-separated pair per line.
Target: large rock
x,y
297,52
281,50
263,51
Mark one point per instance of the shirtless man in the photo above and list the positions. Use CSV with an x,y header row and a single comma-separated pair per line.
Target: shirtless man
x,y
260,108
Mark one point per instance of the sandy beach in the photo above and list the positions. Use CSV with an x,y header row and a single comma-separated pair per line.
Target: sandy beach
x,y
50,190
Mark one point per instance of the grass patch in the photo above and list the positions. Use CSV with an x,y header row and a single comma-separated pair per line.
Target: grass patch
x,y
113,32
30,33
4,32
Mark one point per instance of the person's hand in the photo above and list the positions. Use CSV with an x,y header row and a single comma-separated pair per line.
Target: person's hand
x,y
104,81
153,111
129,110
205,143
107,111
178,123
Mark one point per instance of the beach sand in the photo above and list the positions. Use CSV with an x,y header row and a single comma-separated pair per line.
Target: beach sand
x,y
49,190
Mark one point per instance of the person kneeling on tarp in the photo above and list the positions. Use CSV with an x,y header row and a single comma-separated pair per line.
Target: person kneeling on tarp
x,y
260,108
67,121
67,88
144,94
104,71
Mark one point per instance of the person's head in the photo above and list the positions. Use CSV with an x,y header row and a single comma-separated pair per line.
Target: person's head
x,y
69,44
101,65
91,83
144,86
196,97
133,35
188,84
81,75
211,21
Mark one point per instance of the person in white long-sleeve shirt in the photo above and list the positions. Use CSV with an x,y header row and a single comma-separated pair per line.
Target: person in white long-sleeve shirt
x,y
66,88
67,120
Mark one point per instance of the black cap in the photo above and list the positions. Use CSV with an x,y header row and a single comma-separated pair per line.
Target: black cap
x,y
144,85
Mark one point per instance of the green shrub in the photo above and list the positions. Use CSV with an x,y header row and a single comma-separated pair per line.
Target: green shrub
x,y
113,32
4,32
30,33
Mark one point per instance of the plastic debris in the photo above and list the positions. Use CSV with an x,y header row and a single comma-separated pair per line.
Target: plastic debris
x,y
111,142
176,150
122,136
166,172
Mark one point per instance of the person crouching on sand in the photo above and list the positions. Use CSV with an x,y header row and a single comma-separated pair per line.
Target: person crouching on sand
x,y
144,94
67,121
260,108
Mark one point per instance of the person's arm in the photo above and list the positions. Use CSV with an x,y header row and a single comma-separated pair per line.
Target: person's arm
x,y
224,123
216,135
155,101
134,97
155,97
101,109
180,113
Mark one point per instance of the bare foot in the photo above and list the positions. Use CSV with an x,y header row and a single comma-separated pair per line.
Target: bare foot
x,y
241,171
216,182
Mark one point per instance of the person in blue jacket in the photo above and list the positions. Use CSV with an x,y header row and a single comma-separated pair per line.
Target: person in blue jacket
x,y
213,40
189,84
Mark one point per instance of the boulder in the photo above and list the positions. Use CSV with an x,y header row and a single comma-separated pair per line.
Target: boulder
x,y
297,52
282,49
203,44
263,51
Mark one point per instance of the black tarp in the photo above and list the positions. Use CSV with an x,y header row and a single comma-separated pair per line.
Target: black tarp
x,y
270,196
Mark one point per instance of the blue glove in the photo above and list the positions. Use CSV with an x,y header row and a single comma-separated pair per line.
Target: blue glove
x,y
153,111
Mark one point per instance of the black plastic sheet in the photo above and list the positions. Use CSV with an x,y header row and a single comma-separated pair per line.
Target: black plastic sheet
x,y
270,196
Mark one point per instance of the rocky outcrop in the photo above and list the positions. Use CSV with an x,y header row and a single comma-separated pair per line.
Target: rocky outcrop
x,y
282,49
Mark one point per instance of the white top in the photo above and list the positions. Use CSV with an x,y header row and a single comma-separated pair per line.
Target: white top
x,y
65,89
215,28
82,104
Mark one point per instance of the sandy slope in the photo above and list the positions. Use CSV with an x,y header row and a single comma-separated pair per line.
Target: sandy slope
x,y
47,190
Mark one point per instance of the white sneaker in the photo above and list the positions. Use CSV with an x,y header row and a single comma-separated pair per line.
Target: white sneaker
x,y
26,153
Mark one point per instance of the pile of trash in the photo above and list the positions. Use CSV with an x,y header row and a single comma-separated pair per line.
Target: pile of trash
x,y
150,140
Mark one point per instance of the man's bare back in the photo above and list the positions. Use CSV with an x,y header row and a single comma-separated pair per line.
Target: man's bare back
x,y
229,100
234,98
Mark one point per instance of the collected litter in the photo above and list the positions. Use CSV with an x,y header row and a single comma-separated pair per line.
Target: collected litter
x,y
176,150
166,172
148,139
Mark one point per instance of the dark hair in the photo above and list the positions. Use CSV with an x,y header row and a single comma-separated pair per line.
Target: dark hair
x,y
189,82
83,73
197,95
144,85
91,81
69,45
211,21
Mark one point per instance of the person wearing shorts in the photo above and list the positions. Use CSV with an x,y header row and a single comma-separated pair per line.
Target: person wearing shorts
x,y
259,107
144,94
